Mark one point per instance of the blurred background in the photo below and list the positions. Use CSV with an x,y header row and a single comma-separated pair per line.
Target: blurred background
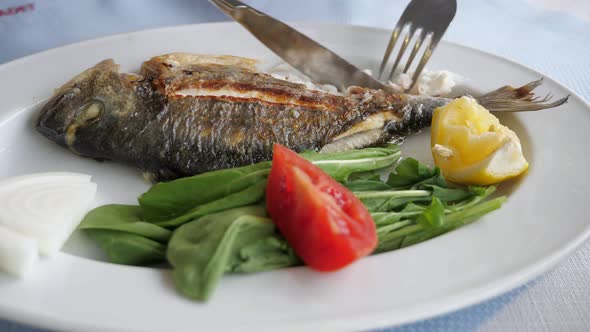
x,y
552,36
523,30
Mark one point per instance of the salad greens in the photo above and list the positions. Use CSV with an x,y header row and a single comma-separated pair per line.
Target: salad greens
x,y
128,248
215,223
173,203
124,218
389,200
342,165
251,195
126,239
168,200
410,173
237,240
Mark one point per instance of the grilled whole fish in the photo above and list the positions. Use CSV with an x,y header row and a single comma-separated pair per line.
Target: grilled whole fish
x,y
186,114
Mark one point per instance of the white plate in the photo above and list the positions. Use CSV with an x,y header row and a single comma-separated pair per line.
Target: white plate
x,y
543,220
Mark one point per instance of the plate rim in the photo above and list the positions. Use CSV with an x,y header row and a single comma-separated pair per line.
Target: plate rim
x,y
374,319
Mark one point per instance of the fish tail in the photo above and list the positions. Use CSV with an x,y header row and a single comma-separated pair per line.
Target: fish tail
x,y
522,99
416,114
417,111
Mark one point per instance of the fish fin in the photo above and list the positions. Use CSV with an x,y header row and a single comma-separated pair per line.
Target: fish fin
x,y
522,99
149,177
160,175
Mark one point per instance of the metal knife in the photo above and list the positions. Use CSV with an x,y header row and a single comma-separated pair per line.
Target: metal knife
x,y
312,59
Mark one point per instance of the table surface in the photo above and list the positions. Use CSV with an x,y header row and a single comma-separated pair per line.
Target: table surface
x,y
556,43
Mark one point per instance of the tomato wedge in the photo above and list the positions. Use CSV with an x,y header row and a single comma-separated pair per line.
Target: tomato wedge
x,y
327,226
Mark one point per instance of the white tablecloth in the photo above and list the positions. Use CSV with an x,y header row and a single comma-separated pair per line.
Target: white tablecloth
x,y
554,42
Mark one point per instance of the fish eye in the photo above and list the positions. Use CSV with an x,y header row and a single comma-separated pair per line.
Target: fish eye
x,y
89,113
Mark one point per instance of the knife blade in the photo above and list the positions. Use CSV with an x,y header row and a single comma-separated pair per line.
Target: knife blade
x,y
306,55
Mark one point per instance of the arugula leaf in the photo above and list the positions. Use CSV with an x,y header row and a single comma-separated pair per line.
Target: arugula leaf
x,y
408,232
367,185
388,218
409,172
455,220
433,215
447,194
478,195
340,165
413,207
389,200
369,175
392,239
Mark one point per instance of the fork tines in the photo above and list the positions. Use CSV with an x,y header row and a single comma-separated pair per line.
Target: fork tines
x,y
424,22
409,33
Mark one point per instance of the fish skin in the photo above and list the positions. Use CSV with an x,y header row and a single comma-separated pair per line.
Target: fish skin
x,y
141,119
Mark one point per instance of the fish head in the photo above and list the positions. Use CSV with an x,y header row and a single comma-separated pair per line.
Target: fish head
x,y
82,101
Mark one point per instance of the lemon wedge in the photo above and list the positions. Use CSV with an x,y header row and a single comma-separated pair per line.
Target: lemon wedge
x,y
471,146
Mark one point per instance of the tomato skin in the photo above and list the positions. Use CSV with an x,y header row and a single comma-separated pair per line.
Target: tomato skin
x,y
327,226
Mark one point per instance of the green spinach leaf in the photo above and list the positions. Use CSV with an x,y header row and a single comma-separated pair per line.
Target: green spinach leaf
x,y
237,240
123,218
248,196
167,200
164,202
127,248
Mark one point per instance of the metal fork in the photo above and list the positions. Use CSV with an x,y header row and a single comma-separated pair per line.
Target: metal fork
x,y
426,20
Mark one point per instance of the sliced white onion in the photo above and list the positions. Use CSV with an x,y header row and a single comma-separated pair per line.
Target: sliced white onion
x,y
49,177
46,207
18,253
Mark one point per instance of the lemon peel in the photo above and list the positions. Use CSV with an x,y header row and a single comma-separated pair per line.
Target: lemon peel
x,y
471,146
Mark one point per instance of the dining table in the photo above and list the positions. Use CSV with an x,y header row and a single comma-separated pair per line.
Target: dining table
x,y
550,36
